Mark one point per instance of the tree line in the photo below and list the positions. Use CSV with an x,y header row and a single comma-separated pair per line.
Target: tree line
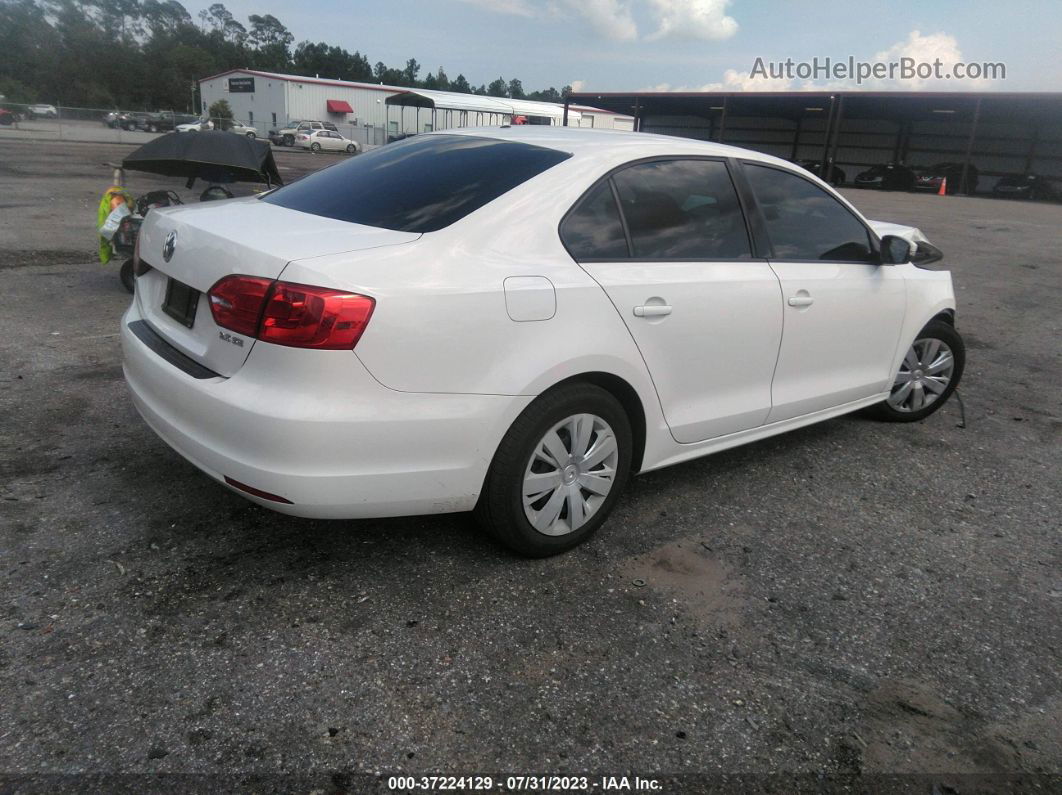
x,y
147,54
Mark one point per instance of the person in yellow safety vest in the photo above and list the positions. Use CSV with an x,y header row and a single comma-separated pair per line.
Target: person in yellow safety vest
x,y
112,197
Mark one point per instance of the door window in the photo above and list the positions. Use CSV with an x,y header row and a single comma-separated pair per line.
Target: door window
x,y
593,230
682,209
804,222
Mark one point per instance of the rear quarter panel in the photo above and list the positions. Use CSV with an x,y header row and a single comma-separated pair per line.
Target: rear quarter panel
x,y
441,322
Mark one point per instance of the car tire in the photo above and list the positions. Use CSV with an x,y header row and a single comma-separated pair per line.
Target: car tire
x,y
126,275
351,149
252,136
289,140
913,394
597,417
315,147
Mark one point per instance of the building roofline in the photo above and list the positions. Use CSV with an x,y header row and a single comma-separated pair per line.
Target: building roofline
x,y
316,80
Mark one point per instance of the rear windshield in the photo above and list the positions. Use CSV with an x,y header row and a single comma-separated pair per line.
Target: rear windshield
x,y
421,184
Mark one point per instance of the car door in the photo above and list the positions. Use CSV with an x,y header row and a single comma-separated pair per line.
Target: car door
x,y
668,242
335,141
843,310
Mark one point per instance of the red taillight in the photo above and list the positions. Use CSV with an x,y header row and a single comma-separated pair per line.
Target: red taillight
x,y
296,315
236,303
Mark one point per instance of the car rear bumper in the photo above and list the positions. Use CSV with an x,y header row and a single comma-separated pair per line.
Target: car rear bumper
x,y
315,428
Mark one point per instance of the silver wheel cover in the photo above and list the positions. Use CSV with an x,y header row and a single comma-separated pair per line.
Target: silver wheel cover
x,y
570,474
924,374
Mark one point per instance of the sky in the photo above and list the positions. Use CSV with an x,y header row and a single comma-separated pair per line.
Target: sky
x,y
634,45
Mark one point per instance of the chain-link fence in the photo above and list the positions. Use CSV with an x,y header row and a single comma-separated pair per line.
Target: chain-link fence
x,y
103,125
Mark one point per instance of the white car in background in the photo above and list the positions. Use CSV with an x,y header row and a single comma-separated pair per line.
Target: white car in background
x,y
327,141
196,126
516,320
42,112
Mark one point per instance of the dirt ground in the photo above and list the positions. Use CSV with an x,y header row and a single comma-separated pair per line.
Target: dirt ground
x,y
842,602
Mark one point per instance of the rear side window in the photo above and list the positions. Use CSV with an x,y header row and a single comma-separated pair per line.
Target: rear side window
x,y
682,209
593,230
422,184
805,222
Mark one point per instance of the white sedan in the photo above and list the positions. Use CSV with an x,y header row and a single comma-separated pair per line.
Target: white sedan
x,y
196,126
516,320
326,140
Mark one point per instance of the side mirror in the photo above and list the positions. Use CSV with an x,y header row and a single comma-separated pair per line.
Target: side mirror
x,y
895,250
926,254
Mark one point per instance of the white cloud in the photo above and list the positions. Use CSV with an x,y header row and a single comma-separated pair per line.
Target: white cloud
x,y
578,86
733,80
924,49
920,49
610,18
693,19
520,8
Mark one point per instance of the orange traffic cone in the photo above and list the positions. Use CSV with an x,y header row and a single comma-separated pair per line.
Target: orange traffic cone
x,y
943,187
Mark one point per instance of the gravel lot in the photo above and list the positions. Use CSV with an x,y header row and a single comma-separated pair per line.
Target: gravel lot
x,y
849,599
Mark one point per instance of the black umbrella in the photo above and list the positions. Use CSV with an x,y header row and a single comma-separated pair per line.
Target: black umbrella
x,y
213,155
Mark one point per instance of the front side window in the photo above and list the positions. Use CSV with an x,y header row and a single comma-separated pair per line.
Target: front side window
x,y
804,222
421,184
682,209
593,230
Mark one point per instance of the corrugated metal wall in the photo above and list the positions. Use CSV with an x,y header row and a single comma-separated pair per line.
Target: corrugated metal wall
x,y
999,147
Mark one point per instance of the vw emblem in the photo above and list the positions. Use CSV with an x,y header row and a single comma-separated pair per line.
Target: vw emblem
x,y
169,246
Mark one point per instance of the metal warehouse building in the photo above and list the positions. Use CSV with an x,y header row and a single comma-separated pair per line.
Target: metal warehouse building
x,y
997,133
369,112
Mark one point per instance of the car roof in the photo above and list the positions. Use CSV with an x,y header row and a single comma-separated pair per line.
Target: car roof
x,y
582,142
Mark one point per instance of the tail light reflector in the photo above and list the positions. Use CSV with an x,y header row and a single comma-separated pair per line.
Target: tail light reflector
x,y
265,495
296,315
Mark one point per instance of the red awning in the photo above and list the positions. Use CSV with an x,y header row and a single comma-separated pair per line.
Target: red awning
x,y
339,106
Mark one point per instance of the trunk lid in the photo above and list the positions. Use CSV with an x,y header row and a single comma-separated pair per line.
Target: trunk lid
x,y
217,239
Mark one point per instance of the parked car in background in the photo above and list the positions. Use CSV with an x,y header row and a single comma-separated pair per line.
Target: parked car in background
x,y
595,304
42,112
167,121
327,141
887,176
1028,186
837,175
233,126
931,178
7,118
286,135
196,126
128,120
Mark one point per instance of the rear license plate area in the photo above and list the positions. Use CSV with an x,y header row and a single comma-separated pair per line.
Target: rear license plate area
x,y
181,302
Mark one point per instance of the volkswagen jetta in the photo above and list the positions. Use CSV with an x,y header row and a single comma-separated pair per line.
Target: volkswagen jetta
x,y
516,320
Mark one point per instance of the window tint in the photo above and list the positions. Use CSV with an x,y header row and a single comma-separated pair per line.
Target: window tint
x,y
594,230
421,184
682,209
805,222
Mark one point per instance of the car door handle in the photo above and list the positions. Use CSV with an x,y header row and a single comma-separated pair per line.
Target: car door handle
x,y
801,300
652,310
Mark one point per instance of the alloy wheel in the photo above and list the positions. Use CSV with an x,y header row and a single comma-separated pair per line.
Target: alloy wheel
x,y
570,474
924,375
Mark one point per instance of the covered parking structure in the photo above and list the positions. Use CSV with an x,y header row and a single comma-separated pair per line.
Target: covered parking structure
x,y
998,133
443,110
